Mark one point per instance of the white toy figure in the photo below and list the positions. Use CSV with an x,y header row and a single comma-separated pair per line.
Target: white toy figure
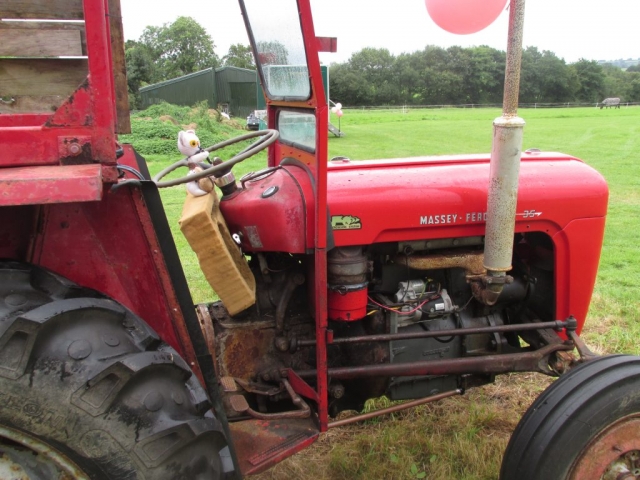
x,y
189,146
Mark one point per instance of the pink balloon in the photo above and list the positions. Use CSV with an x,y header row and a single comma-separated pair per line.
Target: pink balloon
x,y
339,113
464,16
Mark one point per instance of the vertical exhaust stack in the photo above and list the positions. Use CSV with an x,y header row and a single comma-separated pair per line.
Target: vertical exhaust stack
x,y
505,169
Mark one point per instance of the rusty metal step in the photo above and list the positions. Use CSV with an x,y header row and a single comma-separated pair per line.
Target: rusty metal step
x,y
276,440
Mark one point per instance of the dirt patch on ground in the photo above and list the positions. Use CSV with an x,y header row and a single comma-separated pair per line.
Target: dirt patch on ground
x,y
168,118
190,126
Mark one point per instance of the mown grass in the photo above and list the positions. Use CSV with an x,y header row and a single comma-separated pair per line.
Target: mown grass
x,y
464,438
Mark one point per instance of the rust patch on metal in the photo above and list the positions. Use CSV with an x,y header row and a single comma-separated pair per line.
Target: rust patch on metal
x,y
505,162
206,325
485,295
614,450
75,150
245,347
470,260
12,458
242,351
514,58
585,353
277,439
265,454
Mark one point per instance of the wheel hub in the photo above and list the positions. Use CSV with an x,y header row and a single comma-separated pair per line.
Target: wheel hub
x,y
22,457
614,454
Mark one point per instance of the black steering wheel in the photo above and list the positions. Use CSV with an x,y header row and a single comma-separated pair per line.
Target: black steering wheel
x,y
265,138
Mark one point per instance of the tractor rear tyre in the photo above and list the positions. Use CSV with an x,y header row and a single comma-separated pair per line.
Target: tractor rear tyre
x,y
88,390
585,426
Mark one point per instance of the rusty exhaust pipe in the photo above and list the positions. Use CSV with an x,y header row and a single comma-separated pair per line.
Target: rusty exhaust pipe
x,y
506,152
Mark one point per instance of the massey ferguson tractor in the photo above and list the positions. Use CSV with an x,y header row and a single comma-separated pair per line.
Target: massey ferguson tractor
x,y
339,281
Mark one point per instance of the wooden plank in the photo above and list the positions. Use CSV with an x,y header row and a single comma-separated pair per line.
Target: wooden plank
x,y
41,77
41,9
29,104
40,43
72,26
119,68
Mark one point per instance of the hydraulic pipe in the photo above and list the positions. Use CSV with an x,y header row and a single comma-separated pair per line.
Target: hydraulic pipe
x,y
396,408
505,168
390,337
533,361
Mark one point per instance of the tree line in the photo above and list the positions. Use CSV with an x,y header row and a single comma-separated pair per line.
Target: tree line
x,y
474,75
173,50
432,76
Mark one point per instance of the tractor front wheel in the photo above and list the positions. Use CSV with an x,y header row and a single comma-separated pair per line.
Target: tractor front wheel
x,y
88,390
585,426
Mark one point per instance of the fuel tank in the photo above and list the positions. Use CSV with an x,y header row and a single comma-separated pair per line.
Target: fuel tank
x,y
273,211
409,199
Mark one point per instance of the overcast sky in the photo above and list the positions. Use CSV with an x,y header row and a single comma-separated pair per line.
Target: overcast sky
x,y
573,29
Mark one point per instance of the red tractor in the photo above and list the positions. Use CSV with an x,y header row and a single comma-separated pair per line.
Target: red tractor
x,y
339,281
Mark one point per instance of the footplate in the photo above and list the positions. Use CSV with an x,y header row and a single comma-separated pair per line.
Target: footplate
x,y
275,441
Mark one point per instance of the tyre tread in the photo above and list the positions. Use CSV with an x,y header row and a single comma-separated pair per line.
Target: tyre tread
x,y
170,436
535,439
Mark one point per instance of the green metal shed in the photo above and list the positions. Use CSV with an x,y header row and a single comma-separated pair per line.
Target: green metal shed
x,y
236,89
186,90
231,88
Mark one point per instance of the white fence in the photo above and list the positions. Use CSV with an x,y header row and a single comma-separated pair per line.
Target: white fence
x,y
404,108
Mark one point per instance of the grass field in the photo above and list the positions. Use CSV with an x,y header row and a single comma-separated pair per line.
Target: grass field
x,y
464,438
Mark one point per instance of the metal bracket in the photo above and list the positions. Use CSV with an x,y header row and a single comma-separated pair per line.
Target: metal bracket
x,y
240,405
585,353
